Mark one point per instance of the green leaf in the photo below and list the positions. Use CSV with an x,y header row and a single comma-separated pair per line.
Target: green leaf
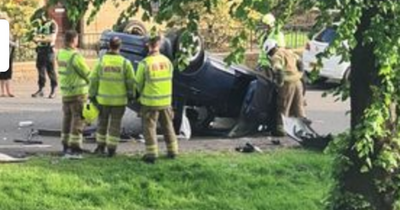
x,y
364,169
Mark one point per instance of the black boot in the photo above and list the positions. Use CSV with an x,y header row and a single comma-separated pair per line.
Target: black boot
x,y
111,152
279,131
38,93
52,93
100,150
76,153
65,149
149,159
171,155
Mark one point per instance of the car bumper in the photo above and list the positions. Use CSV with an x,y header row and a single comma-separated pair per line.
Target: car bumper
x,y
334,72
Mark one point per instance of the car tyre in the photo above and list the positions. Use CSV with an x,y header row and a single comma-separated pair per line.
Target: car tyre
x,y
196,61
134,27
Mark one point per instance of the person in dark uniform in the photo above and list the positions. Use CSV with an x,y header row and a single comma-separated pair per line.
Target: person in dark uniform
x,y
45,39
5,77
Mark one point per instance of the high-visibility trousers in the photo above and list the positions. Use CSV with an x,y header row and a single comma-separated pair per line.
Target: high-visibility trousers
x,y
72,125
150,117
290,102
109,126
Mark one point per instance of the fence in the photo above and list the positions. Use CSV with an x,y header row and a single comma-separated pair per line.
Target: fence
x,y
296,36
216,40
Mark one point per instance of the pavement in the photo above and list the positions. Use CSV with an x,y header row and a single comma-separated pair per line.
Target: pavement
x,y
327,116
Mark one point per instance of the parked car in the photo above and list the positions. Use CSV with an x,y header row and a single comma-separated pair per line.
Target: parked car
x,y
207,89
333,68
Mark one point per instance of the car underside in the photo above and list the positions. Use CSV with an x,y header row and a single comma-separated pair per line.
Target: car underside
x,y
207,88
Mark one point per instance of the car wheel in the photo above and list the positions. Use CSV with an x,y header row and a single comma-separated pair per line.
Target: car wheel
x,y
134,27
195,58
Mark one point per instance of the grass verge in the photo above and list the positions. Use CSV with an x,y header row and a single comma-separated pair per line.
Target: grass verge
x,y
281,180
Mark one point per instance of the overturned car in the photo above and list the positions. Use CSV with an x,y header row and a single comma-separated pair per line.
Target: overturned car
x,y
207,88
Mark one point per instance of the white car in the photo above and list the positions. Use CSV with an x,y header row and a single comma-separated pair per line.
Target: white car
x,y
333,68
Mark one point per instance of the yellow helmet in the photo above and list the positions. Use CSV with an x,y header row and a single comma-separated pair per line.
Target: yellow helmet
x,y
90,113
269,20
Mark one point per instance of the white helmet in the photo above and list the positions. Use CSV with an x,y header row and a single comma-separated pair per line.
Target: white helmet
x,y
269,45
269,20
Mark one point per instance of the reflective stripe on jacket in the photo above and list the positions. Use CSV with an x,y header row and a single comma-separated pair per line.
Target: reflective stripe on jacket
x,y
48,28
154,77
112,81
73,73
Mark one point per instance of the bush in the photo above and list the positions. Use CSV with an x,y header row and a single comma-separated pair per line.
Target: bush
x,y
19,12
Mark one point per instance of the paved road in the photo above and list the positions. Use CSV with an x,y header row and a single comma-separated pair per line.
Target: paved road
x,y
327,116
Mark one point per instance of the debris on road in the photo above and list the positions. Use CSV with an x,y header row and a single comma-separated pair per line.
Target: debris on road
x,y
30,138
304,134
276,142
48,132
24,124
248,148
28,141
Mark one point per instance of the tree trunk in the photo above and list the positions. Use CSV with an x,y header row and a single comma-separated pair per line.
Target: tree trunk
x,y
364,74
364,71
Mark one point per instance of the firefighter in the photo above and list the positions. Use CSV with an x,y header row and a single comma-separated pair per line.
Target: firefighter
x,y
154,78
272,31
74,82
286,67
45,39
111,87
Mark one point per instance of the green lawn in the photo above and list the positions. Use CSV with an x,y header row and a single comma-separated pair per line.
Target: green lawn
x,y
284,180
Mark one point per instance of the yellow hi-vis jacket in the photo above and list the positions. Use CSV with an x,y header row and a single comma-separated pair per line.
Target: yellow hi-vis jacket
x,y
278,36
154,81
112,81
73,73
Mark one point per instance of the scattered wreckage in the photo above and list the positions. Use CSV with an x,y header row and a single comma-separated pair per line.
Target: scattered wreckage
x,y
208,89
295,128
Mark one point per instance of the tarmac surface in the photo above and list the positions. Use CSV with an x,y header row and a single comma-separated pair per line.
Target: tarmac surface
x,y
327,116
